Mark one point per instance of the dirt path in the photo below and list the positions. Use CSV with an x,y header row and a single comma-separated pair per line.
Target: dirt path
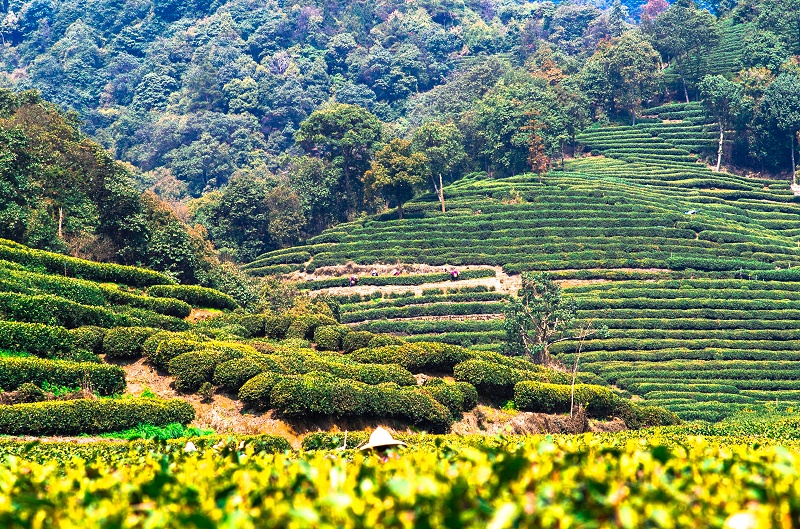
x,y
223,414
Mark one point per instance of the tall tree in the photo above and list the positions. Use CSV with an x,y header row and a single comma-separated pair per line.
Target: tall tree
x,y
723,101
396,172
683,30
633,67
781,104
442,145
346,136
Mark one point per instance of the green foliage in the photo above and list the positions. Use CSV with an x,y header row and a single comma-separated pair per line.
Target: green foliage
x,y
538,318
29,392
102,378
457,397
87,338
232,374
194,295
193,368
173,430
330,337
396,173
355,340
126,342
75,417
34,338
64,265
498,381
256,391
321,394
542,397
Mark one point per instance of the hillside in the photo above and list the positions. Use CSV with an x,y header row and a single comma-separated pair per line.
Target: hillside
x,y
692,271
91,348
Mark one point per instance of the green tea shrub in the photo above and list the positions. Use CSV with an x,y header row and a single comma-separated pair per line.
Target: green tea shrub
x,y
126,342
543,397
74,417
303,326
355,340
255,393
88,338
102,378
81,268
322,394
195,296
29,392
166,306
169,349
276,325
498,381
34,338
329,337
232,374
457,397
193,368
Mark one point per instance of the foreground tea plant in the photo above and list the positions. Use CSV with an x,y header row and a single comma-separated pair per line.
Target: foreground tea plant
x,y
585,481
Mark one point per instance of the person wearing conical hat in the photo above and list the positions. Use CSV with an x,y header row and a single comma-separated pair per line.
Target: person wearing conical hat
x,y
380,442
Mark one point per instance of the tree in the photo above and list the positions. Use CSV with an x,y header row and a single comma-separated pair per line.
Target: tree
x,y
616,19
346,136
633,67
683,30
538,318
653,8
396,172
443,146
723,100
781,104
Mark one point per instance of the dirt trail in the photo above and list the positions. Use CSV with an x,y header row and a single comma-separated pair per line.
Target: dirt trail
x,y
223,414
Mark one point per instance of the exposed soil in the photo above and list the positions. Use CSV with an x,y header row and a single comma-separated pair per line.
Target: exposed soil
x,y
492,421
223,414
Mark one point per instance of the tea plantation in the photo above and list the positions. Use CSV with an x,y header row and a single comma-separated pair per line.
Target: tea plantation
x,y
693,272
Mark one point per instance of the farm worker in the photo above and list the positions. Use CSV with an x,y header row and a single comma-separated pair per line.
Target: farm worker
x,y
374,273
395,272
353,281
382,443
454,274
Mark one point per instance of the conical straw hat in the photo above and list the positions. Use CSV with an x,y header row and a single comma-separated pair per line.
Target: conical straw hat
x,y
381,438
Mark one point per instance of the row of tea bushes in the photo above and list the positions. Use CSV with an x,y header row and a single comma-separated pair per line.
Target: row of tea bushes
x,y
91,416
70,266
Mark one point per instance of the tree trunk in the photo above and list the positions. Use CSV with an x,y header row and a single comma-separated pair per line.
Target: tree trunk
x,y
683,80
60,221
439,190
400,210
794,165
633,117
719,149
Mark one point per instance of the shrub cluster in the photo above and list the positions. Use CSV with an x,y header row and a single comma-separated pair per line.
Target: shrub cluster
x,y
195,296
126,342
88,338
322,394
498,381
75,417
34,338
457,397
416,357
543,397
102,378
329,337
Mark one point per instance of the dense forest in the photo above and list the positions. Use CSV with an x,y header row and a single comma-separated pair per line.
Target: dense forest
x,y
261,123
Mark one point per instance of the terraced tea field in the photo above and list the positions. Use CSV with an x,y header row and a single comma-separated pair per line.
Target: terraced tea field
x,y
698,269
